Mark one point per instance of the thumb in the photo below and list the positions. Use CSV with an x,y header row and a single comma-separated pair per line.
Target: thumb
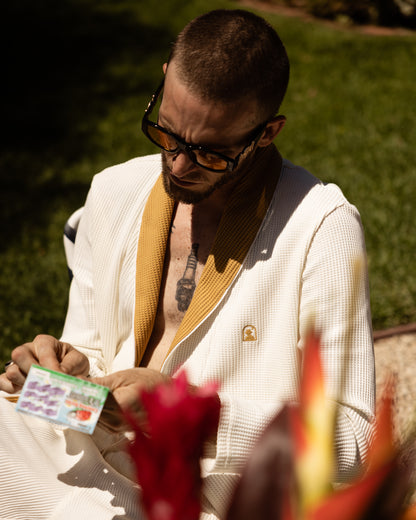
x,y
104,381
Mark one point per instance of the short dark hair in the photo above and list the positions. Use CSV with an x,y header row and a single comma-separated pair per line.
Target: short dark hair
x,y
228,55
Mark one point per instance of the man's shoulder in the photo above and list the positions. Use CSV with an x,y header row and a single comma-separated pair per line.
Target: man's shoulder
x,y
124,187
304,186
137,170
302,202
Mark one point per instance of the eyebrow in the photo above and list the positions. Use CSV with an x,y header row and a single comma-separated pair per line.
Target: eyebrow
x,y
214,148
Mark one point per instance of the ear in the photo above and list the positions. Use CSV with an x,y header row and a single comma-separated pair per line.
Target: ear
x,y
165,68
273,127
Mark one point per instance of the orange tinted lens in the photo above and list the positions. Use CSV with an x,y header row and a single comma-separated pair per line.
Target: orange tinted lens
x,y
210,160
164,140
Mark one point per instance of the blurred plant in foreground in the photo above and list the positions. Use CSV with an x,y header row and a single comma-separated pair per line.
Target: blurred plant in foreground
x,y
180,419
288,475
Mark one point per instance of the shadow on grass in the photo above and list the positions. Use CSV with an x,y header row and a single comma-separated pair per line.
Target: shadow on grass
x,y
65,62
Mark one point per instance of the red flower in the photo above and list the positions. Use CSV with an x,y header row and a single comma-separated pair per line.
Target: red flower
x,y
180,419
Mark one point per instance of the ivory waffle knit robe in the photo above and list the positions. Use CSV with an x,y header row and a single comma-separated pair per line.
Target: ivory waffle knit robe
x,y
244,329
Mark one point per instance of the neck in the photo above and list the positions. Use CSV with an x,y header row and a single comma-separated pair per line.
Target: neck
x,y
251,169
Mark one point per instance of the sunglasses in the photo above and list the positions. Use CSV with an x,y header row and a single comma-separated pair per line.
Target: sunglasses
x,y
199,155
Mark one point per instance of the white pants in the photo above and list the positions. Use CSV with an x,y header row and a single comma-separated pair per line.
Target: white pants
x,y
60,474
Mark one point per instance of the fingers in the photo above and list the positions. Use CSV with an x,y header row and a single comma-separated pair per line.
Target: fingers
x,y
46,349
15,374
105,381
57,355
74,362
125,387
125,391
7,385
127,384
47,352
42,350
112,417
23,357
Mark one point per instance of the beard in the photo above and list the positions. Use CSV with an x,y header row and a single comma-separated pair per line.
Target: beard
x,y
187,196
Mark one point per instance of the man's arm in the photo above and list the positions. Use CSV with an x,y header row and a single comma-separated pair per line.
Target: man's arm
x,y
342,314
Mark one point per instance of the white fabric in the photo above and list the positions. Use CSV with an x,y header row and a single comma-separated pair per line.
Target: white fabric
x,y
301,261
59,474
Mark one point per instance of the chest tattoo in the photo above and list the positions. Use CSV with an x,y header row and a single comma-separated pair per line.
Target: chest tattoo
x,y
186,285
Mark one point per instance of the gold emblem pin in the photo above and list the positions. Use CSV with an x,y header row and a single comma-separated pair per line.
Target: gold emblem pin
x,y
249,333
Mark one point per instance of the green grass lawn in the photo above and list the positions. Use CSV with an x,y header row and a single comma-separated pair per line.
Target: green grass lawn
x,y
78,75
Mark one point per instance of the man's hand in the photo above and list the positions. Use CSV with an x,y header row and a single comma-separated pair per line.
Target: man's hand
x,y
125,387
47,352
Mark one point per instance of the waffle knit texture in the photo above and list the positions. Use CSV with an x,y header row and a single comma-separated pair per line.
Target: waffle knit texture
x,y
248,338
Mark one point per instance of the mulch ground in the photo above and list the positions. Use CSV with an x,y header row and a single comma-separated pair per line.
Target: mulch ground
x,y
396,355
298,12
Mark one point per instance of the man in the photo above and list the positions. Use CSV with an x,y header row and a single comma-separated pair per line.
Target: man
x,y
216,266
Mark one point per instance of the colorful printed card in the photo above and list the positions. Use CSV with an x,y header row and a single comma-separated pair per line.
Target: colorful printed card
x,y
62,399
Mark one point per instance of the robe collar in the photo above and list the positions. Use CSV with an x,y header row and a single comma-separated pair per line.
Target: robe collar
x,y
239,225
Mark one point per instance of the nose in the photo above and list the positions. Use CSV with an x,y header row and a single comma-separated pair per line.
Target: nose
x,y
181,164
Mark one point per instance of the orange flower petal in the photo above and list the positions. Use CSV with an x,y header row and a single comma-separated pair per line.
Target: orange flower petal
x,y
351,502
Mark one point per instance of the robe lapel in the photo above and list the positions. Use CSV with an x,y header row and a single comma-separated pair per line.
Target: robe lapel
x,y
154,232
238,228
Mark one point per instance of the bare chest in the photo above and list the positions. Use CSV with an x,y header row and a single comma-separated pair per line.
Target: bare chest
x,y
187,251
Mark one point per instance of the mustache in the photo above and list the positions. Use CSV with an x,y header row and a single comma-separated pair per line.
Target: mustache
x,y
194,174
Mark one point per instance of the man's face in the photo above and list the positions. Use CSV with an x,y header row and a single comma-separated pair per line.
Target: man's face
x,y
222,128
